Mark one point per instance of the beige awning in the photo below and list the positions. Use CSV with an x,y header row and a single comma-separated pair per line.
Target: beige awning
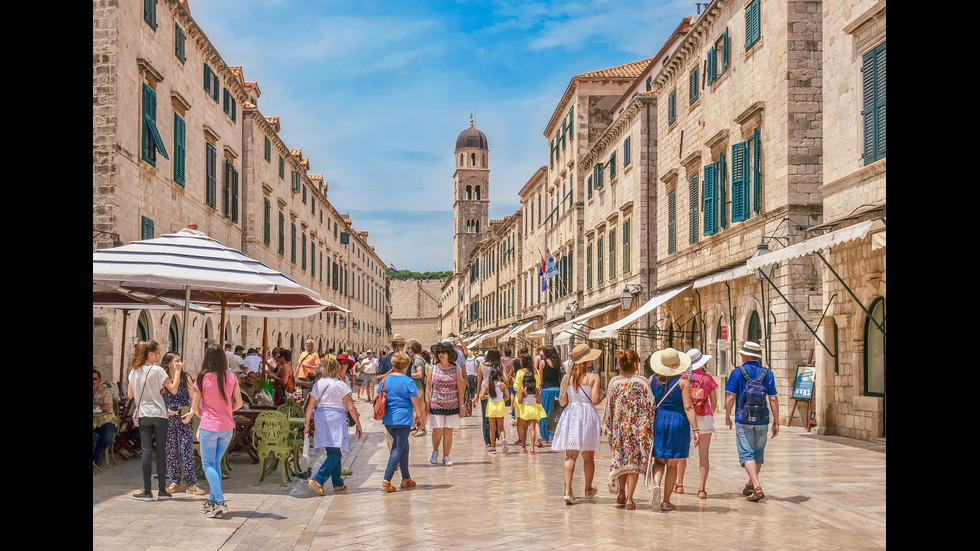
x,y
485,336
539,334
611,331
850,233
516,331
581,319
734,273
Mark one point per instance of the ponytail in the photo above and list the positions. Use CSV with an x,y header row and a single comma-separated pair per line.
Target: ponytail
x,y
141,352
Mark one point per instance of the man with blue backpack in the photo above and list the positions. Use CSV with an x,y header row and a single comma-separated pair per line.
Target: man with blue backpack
x,y
748,386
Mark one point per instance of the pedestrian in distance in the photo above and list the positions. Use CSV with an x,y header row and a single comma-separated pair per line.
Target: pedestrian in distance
x,y
578,427
525,371
419,374
672,422
369,368
629,422
549,371
704,395
748,387
493,394
491,362
147,379
402,410
217,397
180,431
105,421
531,411
444,395
329,403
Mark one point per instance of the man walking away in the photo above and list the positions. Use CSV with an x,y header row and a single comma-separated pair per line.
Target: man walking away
x,y
748,387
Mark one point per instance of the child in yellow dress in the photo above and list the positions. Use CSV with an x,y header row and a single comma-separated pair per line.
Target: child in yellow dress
x,y
531,411
495,390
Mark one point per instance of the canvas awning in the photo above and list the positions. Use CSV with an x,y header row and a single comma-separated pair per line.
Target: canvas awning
x,y
734,273
485,336
539,334
581,319
516,331
850,233
611,331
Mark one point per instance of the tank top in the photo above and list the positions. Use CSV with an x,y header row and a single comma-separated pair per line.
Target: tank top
x,y
550,376
529,399
500,395
445,397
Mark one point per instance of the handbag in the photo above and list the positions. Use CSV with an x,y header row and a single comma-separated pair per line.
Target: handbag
x,y
136,410
380,401
698,396
350,420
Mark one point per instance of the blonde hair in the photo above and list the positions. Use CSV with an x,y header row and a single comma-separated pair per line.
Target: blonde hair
x,y
140,353
331,367
399,361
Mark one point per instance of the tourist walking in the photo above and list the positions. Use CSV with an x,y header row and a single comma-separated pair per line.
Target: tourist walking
x,y
672,422
549,370
704,396
444,392
369,370
217,397
578,427
402,408
491,362
180,430
146,379
748,386
629,416
531,411
330,402
493,394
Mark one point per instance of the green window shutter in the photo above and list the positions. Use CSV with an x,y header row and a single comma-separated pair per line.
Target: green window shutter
x,y
589,187
752,27
234,109
152,142
303,256
211,180
612,254
571,122
672,221
551,155
756,171
234,195
724,52
598,175
150,13
226,189
268,150
873,112
267,222
694,209
627,153
599,252
739,203
626,247
179,43
720,186
225,100
215,86
282,168
146,228
282,233
672,107
180,156
588,266
292,243
693,90
710,64
207,78
710,214
612,166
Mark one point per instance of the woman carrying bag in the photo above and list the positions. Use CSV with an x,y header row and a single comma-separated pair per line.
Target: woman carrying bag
x,y
150,414
329,404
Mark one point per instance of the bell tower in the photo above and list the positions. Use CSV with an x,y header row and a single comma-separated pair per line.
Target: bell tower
x,y
471,185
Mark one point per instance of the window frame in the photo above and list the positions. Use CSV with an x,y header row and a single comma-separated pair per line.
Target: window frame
x,y
672,107
150,141
873,113
694,208
753,24
627,151
180,151
180,40
672,221
211,175
694,85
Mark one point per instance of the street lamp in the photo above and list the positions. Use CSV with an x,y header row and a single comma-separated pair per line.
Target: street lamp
x,y
569,313
626,299
343,323
764,271
536,324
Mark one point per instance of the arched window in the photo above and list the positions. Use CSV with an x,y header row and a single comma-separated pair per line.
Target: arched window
x,y
874,350
754,332
174,335
472,159
477,193
143,327
696,334
477,226
469,193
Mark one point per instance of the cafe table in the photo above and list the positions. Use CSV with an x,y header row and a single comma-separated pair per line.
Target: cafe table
x,y
242,439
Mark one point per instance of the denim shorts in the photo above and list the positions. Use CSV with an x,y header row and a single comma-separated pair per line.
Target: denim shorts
x,y
751,442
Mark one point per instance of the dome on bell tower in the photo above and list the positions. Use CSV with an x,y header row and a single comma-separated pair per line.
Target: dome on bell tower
x,y
471,137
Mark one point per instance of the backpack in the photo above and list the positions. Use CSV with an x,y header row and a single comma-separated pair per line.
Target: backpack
x,y
752,404
698,396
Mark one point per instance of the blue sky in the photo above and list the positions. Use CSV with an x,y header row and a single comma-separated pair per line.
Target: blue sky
x,y
375,93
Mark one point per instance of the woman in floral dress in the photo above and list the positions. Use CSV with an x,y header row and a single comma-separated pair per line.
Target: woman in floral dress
x,y
629,423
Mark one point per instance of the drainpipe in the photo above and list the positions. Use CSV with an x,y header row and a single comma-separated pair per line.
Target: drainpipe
x,y
651,261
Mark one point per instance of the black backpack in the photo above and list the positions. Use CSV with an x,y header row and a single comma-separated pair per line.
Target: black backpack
x,y
752,402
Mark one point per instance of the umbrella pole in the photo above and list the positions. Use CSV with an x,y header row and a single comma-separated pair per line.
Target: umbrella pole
x,y
265,341
122,353
221,331
183,332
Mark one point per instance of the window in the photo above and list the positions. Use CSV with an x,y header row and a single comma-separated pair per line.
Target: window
x,y
229,192
304,193
267,222
612,254
626,246
229,104
282,233
694,208
672,107
151,142
754,332
694,80
713,196
649,83
874,350
211,83
551,155
268,149
150,13
179,43
146,228
571,122
180,154
295,182
211,176
717,62
672,221
599,252
746,178
873,113
292,243
303,252
589,187
627,153
588,266
597,175
282,168
752,26
612,166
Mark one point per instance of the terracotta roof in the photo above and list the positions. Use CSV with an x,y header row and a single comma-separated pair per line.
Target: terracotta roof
x,y
626,70
650,93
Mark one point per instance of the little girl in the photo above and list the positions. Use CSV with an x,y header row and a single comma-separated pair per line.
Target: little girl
x,y
495,390
531,410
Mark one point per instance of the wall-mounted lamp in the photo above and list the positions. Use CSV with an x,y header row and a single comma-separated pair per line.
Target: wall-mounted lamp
x,y
570,311
626,299
765,271
343,323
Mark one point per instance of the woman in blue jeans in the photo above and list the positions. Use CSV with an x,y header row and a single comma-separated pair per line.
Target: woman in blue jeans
x,y
330,400
402,409
215,396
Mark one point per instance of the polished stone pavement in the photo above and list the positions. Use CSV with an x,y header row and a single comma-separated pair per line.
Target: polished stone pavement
x,y
822,492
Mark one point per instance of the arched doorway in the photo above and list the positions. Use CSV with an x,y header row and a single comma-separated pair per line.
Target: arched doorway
x,y
874,355
173,334
143,327
754,330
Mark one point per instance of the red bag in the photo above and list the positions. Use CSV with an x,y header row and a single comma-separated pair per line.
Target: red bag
x,y
698,396
380,400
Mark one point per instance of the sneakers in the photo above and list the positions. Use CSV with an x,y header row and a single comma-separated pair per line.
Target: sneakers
x,y
143,496
317,487
420,432
221,505
657,497
664,507
435,458
194,489
215,510
447,462
163,494
207,506
493,451
173,488
504,442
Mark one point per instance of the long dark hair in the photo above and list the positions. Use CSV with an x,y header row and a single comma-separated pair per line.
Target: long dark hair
x,y
215,362
527,364
530,385
551,353
185,378
495,375
492,358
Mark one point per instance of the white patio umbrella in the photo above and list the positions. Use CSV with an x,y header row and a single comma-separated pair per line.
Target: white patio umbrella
x,y
190,266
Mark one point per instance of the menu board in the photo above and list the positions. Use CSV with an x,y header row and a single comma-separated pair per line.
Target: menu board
x,y
803,389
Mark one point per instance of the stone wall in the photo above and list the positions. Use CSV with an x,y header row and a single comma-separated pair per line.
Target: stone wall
x,y
415,309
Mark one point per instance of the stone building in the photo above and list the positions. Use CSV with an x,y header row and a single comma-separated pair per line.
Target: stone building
x,y
415,309
471,204
178,138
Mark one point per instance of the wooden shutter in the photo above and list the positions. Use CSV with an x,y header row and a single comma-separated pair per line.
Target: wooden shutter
x,y
739,210
179,43
612,166
282,234
671,221
571,122
720,186
752,30
672,107
234,194
226,189
694,209
612,254
211,179
588,266
268,149
627,153
267,222
710,64
756,171
724,52
589,187
598,260
873,112
693,91
709,198
626,247
146,228
180,155
207,78
215,86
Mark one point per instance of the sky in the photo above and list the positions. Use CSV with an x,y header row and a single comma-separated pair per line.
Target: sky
x,y
375,93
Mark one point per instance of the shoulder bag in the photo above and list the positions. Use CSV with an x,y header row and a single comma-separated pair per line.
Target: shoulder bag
x,y
136,410
350,420
380,401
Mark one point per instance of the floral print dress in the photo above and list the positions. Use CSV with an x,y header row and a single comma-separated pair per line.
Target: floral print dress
x,y
629,422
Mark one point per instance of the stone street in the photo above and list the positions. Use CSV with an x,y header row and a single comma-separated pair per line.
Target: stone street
x,y
822,492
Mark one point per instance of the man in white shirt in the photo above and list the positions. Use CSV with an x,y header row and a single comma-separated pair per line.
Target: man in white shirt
x,y
235,362
369,367
253,362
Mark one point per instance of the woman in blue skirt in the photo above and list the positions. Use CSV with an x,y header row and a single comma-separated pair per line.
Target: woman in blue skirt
x,y
672,422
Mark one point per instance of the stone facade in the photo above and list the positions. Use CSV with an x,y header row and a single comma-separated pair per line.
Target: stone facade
x,y
415,309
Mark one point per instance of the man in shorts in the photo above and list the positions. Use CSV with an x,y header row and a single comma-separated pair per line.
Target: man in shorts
x,y
750,435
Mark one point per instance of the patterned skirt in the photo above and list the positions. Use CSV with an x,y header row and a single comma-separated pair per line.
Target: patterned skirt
x,y
331,429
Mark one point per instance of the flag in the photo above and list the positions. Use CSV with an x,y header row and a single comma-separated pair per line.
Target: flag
x,y
544,284
550,269
393,268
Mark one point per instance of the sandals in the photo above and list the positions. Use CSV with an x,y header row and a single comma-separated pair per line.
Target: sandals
x,y
407,483
591,491
621,500
757,494
678,488
747,491
702,494
340,488
387,487
630,506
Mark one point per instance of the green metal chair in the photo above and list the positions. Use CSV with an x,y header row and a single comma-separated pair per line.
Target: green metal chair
x,y
272,438
294,410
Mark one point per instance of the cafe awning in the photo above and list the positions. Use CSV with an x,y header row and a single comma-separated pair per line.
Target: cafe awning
x,y
578,326
611,331
517,330
850,233
734,273
539,334
486,336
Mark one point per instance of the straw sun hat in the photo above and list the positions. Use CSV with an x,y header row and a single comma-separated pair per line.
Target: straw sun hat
x,y
583,353
669,362
751,348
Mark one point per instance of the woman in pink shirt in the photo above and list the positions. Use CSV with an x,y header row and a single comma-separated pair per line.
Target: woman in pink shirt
x,y
214,399
706,422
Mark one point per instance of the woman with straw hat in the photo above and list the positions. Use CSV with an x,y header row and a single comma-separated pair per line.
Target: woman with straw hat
x,y
703,412
672,422
578,426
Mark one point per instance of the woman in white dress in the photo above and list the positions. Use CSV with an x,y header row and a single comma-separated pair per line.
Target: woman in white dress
x,y
578,426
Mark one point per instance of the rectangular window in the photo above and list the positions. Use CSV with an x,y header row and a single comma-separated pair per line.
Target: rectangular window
x,y
303,252
694,209
746,178
146,228
211,84
150,13
180,155
304,193
282,168
295,184
226,189
597,175
627,153
571,122
599,253
752,24
612,254
672,221
551,155
626,246
713,196
211,176
292,243
282,233
672,107
694,80
717,61
151,140
612,166
267,222
539,209
229,104
268,149
335,276
873,112
589,187
179,43
649,83
234,194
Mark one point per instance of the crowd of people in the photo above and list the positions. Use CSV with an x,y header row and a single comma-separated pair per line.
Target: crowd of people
x,y
650,421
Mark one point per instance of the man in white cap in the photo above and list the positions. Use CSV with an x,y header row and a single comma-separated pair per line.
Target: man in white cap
x,y
748,386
